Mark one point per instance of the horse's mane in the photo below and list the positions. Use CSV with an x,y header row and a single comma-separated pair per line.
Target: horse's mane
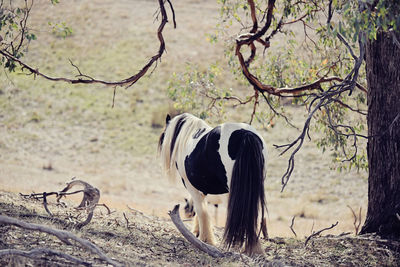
x,y
176,135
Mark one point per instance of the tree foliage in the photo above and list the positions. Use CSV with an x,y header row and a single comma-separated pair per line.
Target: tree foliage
x,y
16,33
306,42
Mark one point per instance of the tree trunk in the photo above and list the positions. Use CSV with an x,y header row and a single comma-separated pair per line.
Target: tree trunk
x,y
383,77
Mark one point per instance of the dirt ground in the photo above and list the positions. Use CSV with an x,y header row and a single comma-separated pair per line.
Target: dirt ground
x,y
52,132
136,239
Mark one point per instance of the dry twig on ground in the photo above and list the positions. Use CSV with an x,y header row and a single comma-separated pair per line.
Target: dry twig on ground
x,y
319,232
357,219
38,252
64,236
291,226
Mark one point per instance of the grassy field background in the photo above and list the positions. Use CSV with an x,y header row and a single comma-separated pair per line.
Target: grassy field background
x,y
73,131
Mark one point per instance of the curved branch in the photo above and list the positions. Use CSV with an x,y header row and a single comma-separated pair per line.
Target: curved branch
x,y
253,35
294,91
276,112
253,16
317,100
176,219
257,35
90,200
85,79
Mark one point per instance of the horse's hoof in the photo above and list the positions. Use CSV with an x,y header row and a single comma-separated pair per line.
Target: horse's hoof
x,y
209,240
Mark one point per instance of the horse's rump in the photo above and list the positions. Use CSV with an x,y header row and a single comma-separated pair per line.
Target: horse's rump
x,y
204,168
246,196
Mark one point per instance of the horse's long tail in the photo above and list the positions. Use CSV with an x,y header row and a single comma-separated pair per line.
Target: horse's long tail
x,y
246,197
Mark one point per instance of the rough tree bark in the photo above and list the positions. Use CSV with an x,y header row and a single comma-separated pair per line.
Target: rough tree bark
x,y
383,76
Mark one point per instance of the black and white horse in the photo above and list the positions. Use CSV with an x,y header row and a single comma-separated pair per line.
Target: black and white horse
x,y
229,158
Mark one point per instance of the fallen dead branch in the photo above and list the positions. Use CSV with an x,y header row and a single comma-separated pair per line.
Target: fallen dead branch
x,y
209,249
127,222
64,236
91,196
38,252
319,232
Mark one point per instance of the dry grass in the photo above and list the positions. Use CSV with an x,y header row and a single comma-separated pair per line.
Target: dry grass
x,y
136,239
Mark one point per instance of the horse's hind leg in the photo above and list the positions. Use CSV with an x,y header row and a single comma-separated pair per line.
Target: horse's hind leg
x,y
216,214
195,229
204,221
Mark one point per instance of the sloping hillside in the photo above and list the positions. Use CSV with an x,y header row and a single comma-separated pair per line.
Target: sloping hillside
x,y
136,239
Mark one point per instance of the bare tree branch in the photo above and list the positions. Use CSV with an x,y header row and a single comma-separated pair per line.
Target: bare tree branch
x,y
214,99
86,79
299,142
323,100
276,112
91,195
330,12
250,38
316,96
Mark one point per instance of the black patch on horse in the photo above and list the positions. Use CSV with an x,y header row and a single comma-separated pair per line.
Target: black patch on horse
x,y
161,141
199,132
189,208
177,130
235,141
204,167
